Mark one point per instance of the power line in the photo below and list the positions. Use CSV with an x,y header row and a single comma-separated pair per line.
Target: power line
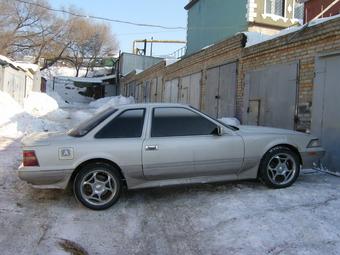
x,y
97,17
150,32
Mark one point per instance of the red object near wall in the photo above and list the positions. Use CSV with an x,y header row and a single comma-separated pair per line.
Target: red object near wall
x,y
314,7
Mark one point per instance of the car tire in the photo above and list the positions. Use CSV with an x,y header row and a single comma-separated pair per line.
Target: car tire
x,y
98,186
279,167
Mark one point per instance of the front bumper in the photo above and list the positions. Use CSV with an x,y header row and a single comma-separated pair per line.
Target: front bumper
x,y
45,179
311,156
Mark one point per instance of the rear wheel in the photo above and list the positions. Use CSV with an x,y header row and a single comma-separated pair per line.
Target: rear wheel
x,y
280,167
98,186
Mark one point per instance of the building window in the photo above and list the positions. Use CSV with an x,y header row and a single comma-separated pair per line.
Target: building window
x,y
298,10
276,7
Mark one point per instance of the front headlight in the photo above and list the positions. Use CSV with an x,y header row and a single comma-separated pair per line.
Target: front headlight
x,y
314,143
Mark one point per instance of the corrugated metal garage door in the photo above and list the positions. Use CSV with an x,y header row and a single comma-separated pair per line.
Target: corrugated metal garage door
x,y
139,96
14,84
220,97
171,91
147,92
326,109
154,90
190,90
159,89
131,89
270,96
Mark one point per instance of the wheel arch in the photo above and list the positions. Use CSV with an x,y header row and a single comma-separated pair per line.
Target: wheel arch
x,y
284,145
96,160
289,146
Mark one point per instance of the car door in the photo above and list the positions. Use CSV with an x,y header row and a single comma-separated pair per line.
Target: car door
x,y
181,144
122,138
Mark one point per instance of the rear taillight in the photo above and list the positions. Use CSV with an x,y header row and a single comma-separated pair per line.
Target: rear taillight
x,y
30,159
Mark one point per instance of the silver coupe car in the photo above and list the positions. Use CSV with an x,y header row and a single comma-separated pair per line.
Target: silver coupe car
x,y
151,145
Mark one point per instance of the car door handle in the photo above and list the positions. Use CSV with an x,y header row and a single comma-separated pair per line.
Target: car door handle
x,y
151,147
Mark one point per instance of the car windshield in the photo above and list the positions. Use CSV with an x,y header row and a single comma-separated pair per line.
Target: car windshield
x,y
89,124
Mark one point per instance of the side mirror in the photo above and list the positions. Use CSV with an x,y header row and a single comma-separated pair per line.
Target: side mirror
x,y
218,131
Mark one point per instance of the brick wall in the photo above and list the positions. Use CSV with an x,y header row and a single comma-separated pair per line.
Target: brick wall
x,y
302,47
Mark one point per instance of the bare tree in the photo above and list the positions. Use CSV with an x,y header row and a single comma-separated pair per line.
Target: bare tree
x,y
28,29
89,42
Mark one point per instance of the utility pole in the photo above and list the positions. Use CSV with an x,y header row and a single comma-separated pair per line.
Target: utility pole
x,y
151,46
145,42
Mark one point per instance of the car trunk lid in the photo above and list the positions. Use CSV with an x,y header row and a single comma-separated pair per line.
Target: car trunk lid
x,y
42,138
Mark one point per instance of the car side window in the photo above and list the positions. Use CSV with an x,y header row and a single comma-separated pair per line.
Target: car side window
x,y
128,124
176,121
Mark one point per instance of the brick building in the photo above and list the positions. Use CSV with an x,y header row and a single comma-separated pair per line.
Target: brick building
x,y
277,82
210,21
314,7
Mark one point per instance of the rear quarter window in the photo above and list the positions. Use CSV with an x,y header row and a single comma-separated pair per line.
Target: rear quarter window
x,y
85,127
128,124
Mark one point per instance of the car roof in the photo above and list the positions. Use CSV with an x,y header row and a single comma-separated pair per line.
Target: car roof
x,y
141,105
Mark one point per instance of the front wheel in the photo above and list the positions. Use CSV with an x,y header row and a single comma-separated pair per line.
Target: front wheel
x,y
279,168
97,186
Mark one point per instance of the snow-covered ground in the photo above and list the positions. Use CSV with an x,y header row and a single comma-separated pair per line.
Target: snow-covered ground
x,y
64,86
229,218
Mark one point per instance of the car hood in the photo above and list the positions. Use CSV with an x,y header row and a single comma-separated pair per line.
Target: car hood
x,y
266,130
44,138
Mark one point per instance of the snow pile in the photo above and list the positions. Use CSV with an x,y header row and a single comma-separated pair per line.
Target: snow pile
x,y
255,38
15,122
106,102
230,121
9,107
55,95
40,104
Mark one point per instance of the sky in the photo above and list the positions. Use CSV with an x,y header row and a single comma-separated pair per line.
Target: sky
x,y
159,12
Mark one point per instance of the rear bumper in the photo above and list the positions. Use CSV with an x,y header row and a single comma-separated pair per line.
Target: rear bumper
x,y
311,157
45,179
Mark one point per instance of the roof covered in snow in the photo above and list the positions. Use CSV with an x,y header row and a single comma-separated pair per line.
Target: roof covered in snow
x,y
19,65
6,61
33,68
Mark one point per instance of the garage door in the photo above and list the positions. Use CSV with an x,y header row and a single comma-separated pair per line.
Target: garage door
x,y
190,90
326,109
138,92
171,91
147,92
159,89
220,97
131,89
154,90
270,96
